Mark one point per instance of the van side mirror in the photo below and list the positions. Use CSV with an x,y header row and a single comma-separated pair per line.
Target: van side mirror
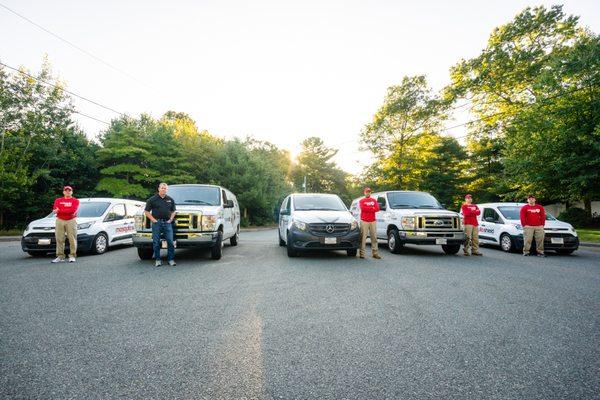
x,y
229,204
382,204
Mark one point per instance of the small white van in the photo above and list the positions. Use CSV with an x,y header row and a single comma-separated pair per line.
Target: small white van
x,y
101,223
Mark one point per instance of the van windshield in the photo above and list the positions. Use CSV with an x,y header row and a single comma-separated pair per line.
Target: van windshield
x,y
316,202
195,195
89,209
513,212
412,200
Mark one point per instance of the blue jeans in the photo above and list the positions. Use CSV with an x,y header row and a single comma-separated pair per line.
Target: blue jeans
x,y
162,226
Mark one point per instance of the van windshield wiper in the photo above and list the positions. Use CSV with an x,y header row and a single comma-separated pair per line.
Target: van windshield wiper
x,y
403,206
427,206
193,201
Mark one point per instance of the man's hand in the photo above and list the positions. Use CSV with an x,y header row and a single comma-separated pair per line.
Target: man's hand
x,y
55,210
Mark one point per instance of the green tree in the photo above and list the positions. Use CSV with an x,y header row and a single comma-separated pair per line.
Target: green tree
x,y
322,174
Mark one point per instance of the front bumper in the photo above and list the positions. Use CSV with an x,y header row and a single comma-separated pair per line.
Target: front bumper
x,y
31,242
303,240
430,237
183,240
570,242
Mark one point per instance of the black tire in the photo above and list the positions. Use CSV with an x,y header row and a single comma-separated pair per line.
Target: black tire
x,y
100,243
565,251
291,251
145,253
451,248
507,244
394,243
281,241
37,253
216,251
351,252
235,238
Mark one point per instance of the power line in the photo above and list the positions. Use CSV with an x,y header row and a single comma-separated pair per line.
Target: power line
x,y
69,92
63,89
84,51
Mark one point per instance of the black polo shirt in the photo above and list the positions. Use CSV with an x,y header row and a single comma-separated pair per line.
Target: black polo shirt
x,y
159,207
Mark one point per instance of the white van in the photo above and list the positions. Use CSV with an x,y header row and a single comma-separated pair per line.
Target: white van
x,y
101,223
206,216
500,225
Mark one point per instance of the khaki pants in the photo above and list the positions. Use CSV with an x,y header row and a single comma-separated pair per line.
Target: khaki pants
x,y
530,233
70,229
370,229
472,238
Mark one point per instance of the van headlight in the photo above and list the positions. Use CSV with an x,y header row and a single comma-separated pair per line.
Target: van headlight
x,y
300,225
409,222
139,222
209,222
518,227
85,225
573,231
354,225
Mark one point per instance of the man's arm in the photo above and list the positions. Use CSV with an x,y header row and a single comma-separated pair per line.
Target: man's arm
x,y
522,215
149,216
477,211
55,206
172,217
543,216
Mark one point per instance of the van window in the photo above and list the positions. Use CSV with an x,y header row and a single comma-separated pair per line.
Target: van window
x,y
490,215
116,213
133,209
285,203
224,197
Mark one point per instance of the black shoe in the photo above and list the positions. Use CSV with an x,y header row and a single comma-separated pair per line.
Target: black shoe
x,y
541,255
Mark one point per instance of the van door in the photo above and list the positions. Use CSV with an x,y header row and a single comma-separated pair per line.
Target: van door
x,y
284,216
382,216
490,225
116,224
227,216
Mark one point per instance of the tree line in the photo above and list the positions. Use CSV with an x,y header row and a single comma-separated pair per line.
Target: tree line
x,y
534,112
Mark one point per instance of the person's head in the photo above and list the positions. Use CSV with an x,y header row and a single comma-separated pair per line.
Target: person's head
x,y
531,200
367,192
162,189
67,191
468,199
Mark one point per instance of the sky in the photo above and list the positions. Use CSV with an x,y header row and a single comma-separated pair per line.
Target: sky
x,y
276,70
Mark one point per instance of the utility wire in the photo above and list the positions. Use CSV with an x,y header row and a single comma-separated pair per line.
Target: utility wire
x,y
61,88
82,50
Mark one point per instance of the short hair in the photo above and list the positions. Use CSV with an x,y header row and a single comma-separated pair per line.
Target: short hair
x,y
162,183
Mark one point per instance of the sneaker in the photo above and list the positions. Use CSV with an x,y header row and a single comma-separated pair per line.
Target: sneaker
x,y
71,259
541,255
172,263
466,254
57,260
526,254
377,256
158,263
477,254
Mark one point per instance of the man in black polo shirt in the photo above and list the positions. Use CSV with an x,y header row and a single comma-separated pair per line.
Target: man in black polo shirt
x,y
160,209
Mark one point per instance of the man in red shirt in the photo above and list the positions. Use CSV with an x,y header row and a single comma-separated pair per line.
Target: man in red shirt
x,y
470,212
368,207
533,220
66,224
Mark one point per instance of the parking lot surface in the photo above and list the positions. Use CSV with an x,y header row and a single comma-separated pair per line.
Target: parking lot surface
x,y
260,325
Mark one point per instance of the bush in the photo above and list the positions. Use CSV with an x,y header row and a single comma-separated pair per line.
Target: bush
x,y
577,217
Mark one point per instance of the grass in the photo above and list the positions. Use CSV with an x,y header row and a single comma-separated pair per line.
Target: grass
x,y
11,232
589,235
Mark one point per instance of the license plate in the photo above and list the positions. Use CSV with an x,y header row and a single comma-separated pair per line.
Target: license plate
x,y
44,242
441,241
164,244
330,240
557,240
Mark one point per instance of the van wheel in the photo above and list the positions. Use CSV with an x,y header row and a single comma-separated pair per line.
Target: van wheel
x,y
451,248
145,253
394,243
234,239
216,251
506,243
291,252
351,252
100,244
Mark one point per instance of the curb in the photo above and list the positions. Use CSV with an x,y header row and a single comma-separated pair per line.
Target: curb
x,y
586,244
10,238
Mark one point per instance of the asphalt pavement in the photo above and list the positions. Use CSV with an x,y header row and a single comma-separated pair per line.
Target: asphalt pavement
x,y
259,325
